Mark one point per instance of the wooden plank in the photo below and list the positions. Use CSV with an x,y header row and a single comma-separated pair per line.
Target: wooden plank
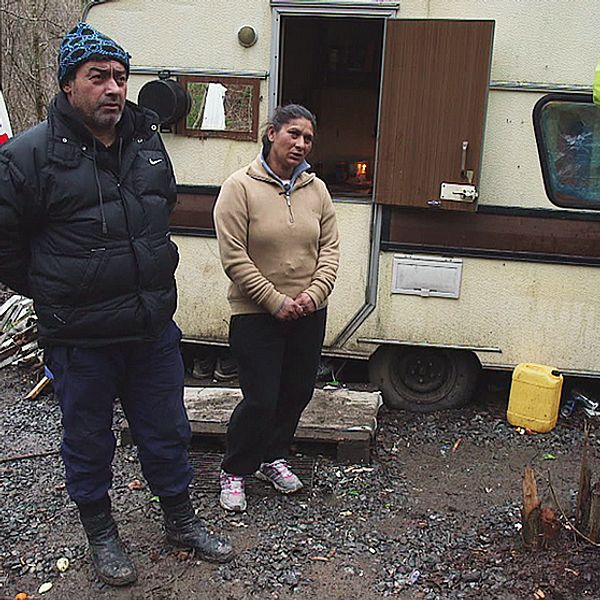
x,y
332,415
353,452
344,418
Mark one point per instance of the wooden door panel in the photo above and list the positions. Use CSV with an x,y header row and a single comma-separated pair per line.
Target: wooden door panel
x,y
434,97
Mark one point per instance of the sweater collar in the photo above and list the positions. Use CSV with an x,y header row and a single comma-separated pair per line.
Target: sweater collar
x,y
299,170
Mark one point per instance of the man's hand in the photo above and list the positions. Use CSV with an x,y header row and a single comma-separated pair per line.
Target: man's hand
x,y
306,303
289,310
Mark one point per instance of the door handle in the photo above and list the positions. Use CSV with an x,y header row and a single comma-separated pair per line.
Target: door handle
x,y
464,172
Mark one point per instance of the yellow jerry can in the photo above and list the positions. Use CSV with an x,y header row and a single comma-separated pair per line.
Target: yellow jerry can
x,y
534,397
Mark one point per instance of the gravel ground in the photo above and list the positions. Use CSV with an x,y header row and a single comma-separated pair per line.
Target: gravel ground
x,y
419,522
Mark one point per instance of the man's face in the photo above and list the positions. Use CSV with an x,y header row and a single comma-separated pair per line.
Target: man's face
x,y
98,93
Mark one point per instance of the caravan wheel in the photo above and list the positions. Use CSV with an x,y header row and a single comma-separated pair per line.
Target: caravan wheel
x,y
424,379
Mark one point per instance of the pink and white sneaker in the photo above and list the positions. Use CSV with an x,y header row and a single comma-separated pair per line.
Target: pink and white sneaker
x,y
233,492
279,474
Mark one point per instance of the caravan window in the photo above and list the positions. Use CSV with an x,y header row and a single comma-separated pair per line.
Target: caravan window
x,y
567,128
224,107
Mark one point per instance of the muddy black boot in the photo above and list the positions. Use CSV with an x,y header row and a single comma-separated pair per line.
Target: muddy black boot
x,y
108,554
184,530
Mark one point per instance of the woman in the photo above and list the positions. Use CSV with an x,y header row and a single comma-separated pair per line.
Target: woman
x,y
279,246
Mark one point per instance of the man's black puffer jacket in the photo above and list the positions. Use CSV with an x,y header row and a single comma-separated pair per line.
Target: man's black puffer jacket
x,y
85,232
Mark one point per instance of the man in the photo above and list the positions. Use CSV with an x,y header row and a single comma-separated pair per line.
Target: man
x,y
85,199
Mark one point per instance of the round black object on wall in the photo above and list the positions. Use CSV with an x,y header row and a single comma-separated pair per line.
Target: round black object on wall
x,y
166,98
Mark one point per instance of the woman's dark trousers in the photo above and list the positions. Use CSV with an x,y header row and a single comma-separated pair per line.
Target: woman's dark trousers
x,y
277,366
148,379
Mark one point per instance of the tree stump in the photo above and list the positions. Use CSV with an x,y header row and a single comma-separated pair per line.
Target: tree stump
x,y
594,514
582,509
539,519
530,513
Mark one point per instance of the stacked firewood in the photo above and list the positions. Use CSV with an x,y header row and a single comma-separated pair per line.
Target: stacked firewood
x,y
18,333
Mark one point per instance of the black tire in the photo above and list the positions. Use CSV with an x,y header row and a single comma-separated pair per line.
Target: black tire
x,y
424,379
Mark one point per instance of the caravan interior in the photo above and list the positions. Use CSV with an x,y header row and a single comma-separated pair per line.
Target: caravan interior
x,y
333,67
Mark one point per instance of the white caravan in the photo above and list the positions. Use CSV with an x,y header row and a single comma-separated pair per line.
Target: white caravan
x,y
453,254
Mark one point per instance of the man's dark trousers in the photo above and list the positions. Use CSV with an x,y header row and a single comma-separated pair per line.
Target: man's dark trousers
x,y
147,377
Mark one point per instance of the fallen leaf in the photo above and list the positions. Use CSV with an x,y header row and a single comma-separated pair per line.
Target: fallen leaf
x,y
332,552
62,564
549,456
21,596
457,443
45,587
539,595
136,484
321,558
154,555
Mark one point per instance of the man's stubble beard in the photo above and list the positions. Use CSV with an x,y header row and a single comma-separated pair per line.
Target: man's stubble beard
x,y
100,121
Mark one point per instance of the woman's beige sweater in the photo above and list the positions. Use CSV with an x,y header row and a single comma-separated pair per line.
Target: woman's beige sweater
x,y
273,245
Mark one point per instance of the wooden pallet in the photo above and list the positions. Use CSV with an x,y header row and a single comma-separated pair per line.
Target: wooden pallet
x,y
340,417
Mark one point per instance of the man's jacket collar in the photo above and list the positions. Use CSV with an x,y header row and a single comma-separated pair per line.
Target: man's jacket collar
x,y
69,138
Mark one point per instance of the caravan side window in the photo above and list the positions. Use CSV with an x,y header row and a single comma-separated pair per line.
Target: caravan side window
x,y
567,129
221,107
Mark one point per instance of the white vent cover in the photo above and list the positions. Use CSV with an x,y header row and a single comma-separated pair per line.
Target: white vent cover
x,y
426,275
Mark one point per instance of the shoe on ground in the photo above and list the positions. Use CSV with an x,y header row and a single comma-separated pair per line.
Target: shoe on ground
x,y
325,371
279,474
109,557
233,492
225,369
185,530
203,367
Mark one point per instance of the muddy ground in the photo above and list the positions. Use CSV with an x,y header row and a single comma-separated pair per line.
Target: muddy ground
x,y
420,521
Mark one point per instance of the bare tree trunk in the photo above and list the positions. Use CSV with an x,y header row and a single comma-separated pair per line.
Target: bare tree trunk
x,y
36,60
30,33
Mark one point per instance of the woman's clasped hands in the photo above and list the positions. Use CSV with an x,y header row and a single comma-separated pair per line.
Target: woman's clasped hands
x,y
294,308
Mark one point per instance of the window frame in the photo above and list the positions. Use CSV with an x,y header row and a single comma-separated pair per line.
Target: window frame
x,y
250,136
571,98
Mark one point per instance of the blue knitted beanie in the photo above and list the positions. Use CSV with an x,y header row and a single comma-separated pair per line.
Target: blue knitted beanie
x,y
85,43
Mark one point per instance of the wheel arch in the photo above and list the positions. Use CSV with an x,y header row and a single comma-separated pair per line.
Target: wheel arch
x,y
424,378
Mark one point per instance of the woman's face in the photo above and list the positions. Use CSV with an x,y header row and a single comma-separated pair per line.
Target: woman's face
x,y
289,146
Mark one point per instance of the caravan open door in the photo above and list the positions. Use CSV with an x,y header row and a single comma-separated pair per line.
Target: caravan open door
x,y
432,113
